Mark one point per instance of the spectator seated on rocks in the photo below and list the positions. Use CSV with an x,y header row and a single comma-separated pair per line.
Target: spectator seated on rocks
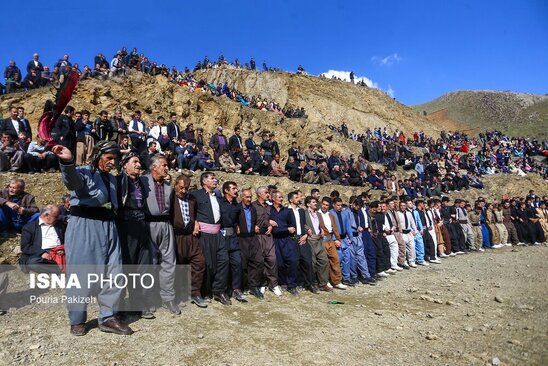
x,y
276,169
376,181
205,160
39,238
11,154
117,66
354,176
310,172
12,77
261,165
227,163
186,155
87,73
474,181
39,159
409,189
336,174
17,207
33,80
294,169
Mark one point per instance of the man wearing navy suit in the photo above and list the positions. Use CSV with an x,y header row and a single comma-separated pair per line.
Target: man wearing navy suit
x,y
38,238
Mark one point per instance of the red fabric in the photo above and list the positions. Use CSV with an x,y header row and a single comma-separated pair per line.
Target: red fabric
x,y
58,256
48,119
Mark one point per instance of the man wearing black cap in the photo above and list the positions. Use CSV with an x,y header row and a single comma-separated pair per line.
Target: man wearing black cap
x,y
92,236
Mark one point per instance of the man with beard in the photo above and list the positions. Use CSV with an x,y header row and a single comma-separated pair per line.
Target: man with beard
x,y
91,235
208,230
183,218
157,192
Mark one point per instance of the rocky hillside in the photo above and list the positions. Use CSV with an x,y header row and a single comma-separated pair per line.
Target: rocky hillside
x,y
326,102
514,113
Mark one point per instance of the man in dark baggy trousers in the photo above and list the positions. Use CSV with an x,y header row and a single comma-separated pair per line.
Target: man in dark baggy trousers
x,y
183,218
208,230
134,239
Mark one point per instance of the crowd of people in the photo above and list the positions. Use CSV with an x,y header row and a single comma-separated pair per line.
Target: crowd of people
x,y
39,75
490,153
435,167
240,242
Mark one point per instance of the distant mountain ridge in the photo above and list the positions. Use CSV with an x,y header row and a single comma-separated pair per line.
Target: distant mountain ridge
x,y
518,114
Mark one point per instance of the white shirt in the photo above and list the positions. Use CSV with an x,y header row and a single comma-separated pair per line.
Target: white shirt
x,y
401,220
50,239
298,229
215,207
15,124
326,220
366,216
140,126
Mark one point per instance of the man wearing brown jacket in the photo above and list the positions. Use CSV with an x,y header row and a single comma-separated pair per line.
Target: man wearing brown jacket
x,y
330,245
316,231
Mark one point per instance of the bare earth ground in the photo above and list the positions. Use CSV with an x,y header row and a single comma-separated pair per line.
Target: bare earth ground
x,y
438,315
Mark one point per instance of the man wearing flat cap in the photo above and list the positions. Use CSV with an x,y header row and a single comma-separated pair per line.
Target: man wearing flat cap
x,y
91,237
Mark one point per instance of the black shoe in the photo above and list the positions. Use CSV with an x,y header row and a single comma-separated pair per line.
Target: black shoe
x,y
348,283
362,280
405,266
198,301
172,307
238,295
222,298
293,291
114,325
313,289
255,291
371,281
76,330
147,314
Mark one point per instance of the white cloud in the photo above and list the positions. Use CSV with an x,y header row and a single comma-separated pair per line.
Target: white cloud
x,y
386,61
345,75
391,92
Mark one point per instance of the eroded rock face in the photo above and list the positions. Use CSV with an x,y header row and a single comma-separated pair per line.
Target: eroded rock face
x,y
326,101
155,96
